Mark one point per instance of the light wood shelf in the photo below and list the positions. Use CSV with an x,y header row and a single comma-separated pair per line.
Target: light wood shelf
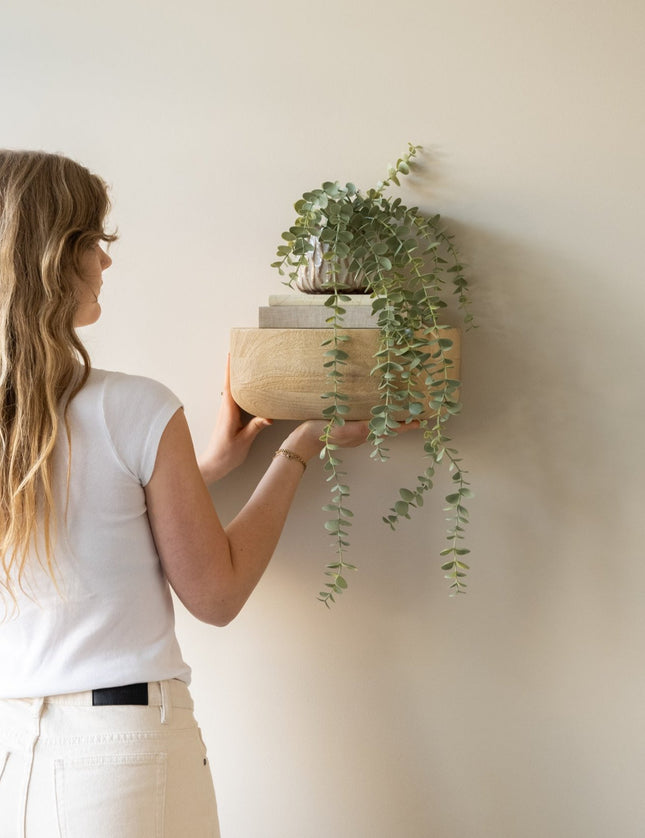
x,y
279,373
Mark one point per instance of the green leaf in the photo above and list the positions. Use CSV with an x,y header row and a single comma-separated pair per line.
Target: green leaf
x,y
379,304
332,189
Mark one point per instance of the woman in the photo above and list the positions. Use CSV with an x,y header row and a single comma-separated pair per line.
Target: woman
x,y
102,504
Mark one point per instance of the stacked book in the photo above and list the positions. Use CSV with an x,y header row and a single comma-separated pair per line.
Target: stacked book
x,y
308,311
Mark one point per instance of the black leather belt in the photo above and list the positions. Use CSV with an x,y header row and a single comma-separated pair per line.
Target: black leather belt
x,y
130,694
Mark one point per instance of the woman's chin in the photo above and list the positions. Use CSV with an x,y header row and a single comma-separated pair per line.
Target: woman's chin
x,y
87,314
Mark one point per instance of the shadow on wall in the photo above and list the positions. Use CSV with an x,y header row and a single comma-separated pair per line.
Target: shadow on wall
x,y
552,427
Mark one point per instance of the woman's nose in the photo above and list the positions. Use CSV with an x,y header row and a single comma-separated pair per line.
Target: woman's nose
x,y
106,260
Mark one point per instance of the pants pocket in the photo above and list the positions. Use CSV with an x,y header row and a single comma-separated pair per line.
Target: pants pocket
x,y
111,795
4,756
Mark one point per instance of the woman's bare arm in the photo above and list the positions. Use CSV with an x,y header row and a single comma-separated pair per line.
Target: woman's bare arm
x,y
213,569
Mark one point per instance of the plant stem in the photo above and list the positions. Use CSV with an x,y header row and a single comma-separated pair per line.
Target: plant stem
x,y
341,513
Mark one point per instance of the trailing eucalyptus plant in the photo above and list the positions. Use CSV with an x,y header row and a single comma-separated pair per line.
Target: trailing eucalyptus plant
x,y
406,260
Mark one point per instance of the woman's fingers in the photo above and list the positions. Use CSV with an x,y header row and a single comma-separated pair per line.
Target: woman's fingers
x,y
253,428
354,433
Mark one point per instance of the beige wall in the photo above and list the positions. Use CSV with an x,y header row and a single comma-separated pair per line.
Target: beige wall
x,y
516,711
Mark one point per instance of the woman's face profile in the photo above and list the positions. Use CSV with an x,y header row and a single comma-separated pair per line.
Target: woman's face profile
x,y
89,280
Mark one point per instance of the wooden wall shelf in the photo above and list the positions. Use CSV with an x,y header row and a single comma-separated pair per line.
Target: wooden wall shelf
x,y
279,373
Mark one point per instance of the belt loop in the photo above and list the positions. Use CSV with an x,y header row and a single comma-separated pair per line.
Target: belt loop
x,y
166,702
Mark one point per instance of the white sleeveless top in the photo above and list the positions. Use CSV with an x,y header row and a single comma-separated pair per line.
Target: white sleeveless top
x,y
112,621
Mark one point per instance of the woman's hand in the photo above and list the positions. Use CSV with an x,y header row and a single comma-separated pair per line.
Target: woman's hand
x,y
306,441
231,438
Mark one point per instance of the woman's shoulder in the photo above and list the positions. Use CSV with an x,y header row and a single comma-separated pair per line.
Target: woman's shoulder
x,y
120,397
115,385
133,411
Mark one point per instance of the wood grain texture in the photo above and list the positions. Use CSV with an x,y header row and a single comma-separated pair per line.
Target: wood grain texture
x,y
279,373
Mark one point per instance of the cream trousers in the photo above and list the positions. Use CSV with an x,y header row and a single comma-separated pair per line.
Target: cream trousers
x,y
71,770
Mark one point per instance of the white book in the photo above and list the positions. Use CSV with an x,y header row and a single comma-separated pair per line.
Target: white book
x,y
300,299
313,317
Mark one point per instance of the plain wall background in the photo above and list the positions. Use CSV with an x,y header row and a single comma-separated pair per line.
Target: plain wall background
x,y
513,712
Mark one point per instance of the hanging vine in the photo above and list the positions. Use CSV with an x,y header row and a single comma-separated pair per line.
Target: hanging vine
x,y
408,261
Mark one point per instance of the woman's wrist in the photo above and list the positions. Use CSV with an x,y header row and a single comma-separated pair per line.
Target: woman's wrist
x,y
304,441
212,469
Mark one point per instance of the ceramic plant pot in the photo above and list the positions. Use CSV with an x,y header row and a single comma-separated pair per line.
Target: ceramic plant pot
x,y
316,277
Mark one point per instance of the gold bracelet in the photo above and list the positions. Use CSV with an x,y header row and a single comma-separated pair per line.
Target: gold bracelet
x,y
290,455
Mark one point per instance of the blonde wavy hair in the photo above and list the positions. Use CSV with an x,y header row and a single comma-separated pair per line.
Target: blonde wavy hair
x,y
51,210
